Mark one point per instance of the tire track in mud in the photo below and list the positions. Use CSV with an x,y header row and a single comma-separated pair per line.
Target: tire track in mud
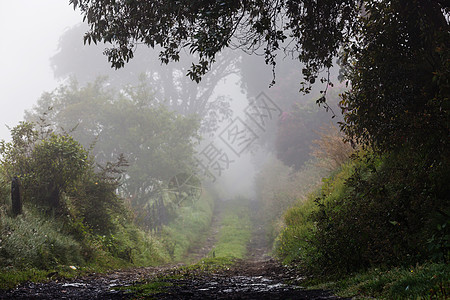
x,y
201,250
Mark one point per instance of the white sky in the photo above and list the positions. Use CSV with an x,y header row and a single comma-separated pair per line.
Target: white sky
x,y
29,33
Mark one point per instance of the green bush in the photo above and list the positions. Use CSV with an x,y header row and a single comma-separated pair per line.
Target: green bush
x,y
293,242
47,164
57,175
390,210
133,246
384,214
95,203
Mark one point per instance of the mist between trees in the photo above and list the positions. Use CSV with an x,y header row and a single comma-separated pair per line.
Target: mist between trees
x,y
350,176
99,156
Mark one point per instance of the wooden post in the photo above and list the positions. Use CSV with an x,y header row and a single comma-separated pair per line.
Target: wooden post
x,y
15,196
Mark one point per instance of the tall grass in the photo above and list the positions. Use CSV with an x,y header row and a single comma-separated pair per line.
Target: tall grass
x,y
426,281
32,241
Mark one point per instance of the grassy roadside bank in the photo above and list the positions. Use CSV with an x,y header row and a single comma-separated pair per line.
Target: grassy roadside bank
x,y
377,227
39,249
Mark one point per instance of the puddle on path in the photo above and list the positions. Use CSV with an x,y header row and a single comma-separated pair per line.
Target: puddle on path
x,y
238,287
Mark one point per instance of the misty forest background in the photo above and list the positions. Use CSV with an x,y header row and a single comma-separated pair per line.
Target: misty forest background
x,y
351,177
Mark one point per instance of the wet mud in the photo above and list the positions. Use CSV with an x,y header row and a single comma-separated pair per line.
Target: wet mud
x,y
247,280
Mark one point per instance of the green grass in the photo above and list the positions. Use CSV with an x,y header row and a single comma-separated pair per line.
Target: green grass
x,y
10,278
235,230
32,246
189,227
32,241
209,265
427,281
231,247
146,290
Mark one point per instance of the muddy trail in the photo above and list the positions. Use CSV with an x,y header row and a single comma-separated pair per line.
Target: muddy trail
x,y
257,277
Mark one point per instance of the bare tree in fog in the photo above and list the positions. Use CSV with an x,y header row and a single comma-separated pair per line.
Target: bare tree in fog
x,y
170,84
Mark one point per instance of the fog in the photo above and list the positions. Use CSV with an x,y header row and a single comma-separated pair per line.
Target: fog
x,y
38,57
239,150
30,31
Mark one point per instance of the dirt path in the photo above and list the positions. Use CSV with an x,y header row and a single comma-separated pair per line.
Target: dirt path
x,y
248,280
258,277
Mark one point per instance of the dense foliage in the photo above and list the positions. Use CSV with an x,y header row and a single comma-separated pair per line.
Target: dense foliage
x,y
73,220
375,212
398,68
207,28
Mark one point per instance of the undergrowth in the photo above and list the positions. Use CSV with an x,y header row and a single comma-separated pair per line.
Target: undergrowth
x,y
32,245
32,241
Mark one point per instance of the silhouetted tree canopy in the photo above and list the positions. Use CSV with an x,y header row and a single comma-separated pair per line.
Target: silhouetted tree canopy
x,y
312,31
394,53
398,67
